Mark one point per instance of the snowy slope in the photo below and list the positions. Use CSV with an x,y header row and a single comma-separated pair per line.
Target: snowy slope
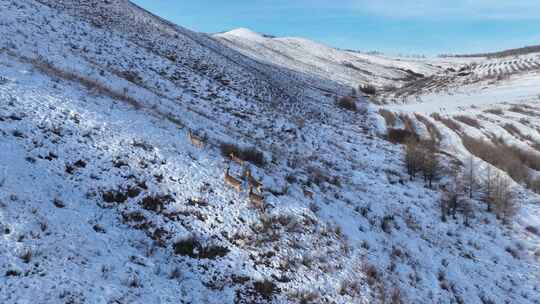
x,y
104,200
346,67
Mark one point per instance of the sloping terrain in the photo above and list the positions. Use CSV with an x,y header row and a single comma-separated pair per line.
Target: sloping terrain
x,y
506,53
346,67
503,78
103,199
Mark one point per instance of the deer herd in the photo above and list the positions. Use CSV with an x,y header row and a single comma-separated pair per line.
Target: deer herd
x,y
257,200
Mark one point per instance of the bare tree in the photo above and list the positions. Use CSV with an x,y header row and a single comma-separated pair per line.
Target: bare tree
x,y
504,201
413,157
453,194
487,188
466,208
470,176
449,203
429,161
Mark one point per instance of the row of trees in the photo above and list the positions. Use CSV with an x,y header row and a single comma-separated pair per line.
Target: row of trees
x,y
471,183
468,183
421,157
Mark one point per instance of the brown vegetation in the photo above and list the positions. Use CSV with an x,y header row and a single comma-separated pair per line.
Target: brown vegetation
x,y
473,122
511,159
448,122
389,117
434,133
495,111
251,154
368,89
522,109
421,156
400,136
348,103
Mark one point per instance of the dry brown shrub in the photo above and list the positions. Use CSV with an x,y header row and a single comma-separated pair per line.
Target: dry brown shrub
x,y
499,112
389,117
473,122
434,133
400,136
348,103
448,122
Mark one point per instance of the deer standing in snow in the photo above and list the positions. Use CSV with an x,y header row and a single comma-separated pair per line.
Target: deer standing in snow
x,y
256,200
232,181
252,181
236,159
195,140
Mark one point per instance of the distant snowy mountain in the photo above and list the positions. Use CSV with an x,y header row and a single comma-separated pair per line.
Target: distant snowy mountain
x,y
346,67
116,129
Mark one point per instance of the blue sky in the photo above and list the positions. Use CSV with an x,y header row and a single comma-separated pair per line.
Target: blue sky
x,y
393,26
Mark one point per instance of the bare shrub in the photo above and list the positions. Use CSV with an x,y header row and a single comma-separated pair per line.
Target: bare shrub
x,y
319,177
265,288
371,273
521,109
528,158
448,122
389,88
534,184
510,128
350,288
91,84
387,223
495,111
156,203
389,117
400,136
434,132
421,156
413,158
449,204
193,248
58,203
473,122
175,273
505,204
396,297
430,163
533,230
408,123
304,296
115,196
469,177
26,256
508,158
132,76
368,89
348,103
250,154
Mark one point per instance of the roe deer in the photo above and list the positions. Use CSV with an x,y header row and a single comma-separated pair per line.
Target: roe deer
x,y
308,194
252,181
196,141
231,181
256,200
236,159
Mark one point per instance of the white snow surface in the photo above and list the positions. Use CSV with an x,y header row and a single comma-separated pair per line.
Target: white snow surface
x,y
312,58
96,98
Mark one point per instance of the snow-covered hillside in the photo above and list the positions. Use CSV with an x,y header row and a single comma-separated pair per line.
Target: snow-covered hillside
x,y
346,67
103,198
